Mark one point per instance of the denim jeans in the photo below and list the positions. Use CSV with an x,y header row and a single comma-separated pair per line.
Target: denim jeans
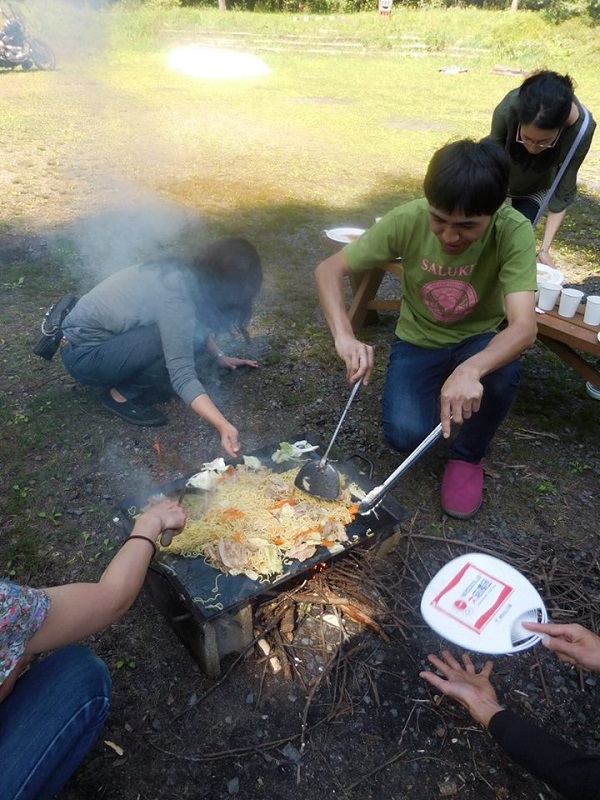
x,y
49,722
132,362
415,377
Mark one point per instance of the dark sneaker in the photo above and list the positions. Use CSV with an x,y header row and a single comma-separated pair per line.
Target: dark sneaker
x,y
133,413
158,394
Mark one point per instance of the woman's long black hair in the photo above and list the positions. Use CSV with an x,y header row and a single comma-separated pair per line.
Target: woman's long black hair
x,y
229,273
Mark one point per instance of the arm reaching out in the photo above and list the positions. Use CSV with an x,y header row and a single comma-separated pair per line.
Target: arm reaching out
x,y
204,407
357,356
573,644
78,610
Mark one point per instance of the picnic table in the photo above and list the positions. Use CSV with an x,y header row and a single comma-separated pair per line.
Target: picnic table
x,y
568,338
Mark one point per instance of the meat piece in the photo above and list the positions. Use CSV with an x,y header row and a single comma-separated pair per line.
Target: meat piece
x,y
334,531
301,552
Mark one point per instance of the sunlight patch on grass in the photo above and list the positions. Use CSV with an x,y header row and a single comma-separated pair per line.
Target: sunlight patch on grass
x,y
216,63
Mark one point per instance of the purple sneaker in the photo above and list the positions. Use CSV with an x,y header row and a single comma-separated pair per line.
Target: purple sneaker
x,y
462,488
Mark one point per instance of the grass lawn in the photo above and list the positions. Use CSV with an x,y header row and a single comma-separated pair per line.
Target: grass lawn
x,y
340,130
113,156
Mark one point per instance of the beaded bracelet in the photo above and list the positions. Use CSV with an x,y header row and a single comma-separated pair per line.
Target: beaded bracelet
x,y
146,538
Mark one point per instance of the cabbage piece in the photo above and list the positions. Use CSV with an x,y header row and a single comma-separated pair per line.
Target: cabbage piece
x,y
267,558
217,464
252,462
203,480
208,475
292,452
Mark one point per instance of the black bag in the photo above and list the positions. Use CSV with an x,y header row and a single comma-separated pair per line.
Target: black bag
x,y
51,327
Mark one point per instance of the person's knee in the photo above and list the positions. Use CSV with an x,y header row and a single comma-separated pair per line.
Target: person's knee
x,y
503,382
403,436
87,675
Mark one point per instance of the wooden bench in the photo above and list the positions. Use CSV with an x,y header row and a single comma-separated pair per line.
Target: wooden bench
x,y
568,338
364,289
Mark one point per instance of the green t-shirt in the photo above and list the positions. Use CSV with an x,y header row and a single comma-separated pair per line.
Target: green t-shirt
x,y
447,298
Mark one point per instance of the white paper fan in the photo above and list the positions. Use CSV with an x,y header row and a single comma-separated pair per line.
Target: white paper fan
x,y
479,602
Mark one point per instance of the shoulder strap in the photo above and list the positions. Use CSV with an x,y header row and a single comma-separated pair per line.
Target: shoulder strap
x,y
563,166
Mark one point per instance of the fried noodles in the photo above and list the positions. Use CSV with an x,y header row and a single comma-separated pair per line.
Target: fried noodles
x,y
254,520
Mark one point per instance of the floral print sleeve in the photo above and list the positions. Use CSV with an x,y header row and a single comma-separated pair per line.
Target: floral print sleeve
x,y
22,611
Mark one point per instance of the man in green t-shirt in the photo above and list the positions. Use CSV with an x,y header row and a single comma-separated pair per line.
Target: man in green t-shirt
x,y
468,284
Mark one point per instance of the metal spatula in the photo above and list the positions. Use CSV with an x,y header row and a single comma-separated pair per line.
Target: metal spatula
x,y
377,494
320,478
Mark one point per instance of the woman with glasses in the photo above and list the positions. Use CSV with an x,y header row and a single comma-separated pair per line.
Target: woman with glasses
x,y
538,124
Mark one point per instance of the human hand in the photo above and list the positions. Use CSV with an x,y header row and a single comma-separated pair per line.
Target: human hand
x,y
544,257
229,362
230,440
460,397
573,644
358,358
160,516
471,689
9,682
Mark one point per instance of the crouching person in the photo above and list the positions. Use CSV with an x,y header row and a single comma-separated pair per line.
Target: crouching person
x,y
467,313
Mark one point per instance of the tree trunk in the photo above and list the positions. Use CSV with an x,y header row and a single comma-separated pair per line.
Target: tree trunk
x,y
514,5
223,5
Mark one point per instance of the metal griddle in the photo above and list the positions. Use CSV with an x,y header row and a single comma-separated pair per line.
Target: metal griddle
x,y
209,593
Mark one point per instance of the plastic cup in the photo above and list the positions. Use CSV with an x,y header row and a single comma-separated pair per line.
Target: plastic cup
x,y
548,295
569,302
592,310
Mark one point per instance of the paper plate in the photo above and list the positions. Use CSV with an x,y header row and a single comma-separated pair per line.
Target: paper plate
x,y
547,274
344,235
479,602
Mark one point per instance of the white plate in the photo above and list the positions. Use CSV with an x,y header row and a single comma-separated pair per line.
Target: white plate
x,y
479,602
344,235
547,274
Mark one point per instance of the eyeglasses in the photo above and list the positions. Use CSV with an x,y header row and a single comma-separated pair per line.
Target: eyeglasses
x,y
544,144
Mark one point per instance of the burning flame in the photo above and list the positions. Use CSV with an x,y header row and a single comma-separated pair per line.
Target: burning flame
x,y
213,63
158,450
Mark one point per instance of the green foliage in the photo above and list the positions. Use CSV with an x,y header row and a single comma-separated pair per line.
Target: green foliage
x,y
593,11
558,11
554,11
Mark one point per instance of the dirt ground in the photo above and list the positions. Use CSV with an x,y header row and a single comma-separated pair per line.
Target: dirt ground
x,y
356,721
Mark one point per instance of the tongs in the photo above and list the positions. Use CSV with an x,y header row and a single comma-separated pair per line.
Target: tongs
x,y
375,496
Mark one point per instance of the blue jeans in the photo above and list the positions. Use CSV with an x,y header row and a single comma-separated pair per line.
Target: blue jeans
x,y
49,722
415,377
132,362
